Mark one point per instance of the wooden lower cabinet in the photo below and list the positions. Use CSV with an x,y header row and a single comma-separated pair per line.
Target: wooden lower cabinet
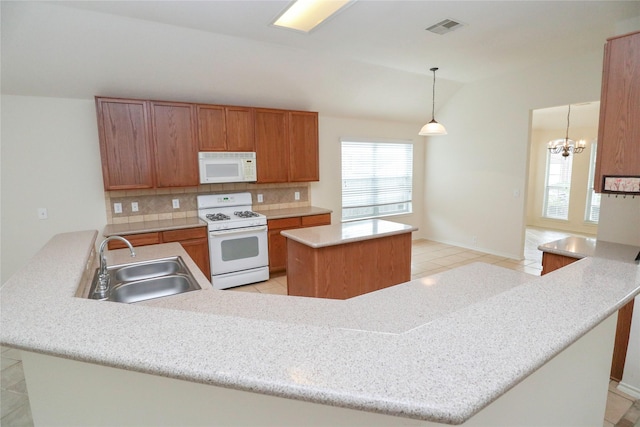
x,y
347,270
195,242
278,243
551,262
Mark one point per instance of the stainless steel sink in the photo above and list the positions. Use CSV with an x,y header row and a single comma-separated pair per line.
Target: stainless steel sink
x,y
146,280
147,270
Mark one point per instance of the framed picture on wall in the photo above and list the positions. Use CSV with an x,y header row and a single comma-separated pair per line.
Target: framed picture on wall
x,y
621,184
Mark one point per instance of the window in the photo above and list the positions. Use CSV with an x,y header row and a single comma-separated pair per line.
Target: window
x,y
592,212
377,179
557,186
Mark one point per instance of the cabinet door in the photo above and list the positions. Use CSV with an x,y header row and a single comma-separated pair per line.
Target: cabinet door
x,y
240,129
212,128
278,243
175,144
619,127
303,146
272,153
198,250
125,144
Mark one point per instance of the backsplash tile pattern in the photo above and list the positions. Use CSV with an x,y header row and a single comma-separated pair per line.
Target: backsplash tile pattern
x,y
156,204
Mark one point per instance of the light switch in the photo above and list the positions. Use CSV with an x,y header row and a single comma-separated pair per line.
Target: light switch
x,y
117,207
260,198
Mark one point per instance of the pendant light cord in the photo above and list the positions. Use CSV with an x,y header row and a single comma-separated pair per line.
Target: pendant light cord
x,y
433,99
566,137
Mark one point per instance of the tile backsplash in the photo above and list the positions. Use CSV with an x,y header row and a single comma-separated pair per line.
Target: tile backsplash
x,y
157,204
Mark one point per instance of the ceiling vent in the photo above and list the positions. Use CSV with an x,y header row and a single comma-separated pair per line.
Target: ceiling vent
x,y
445,26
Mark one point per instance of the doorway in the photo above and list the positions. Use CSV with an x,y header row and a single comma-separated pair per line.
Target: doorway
x,y
559,188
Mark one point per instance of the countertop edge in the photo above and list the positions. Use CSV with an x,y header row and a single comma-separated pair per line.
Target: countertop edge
x,y
151,226
292,212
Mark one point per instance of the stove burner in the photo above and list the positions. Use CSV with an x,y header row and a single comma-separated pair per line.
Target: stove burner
x,y
245,214
217,217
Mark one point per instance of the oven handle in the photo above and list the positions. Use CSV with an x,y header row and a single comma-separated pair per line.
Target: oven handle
x,y
238,230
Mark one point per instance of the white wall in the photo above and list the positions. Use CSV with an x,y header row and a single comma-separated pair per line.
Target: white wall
x,y
475,177
328,192
50,159
579,180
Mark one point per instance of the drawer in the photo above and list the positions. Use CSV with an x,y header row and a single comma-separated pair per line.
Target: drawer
x,y
310,221
142,239
284,223
184,234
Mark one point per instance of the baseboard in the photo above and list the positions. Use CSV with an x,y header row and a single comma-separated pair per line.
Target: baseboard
x,y
629,389
477,248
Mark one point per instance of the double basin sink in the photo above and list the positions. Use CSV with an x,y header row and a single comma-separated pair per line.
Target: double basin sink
x,y
146,280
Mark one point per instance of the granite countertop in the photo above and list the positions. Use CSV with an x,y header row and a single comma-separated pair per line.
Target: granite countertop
x,y
152,226
346,232
582,247
439,348
292,212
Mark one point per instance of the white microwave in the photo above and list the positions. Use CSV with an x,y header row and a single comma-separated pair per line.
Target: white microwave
x,y
218,167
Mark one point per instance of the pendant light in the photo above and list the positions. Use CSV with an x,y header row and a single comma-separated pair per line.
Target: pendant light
x,y
433,127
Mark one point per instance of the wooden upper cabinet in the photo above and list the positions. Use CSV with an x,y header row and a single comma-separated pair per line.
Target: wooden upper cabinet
x,y
272,148
225,128
175,144
303,146
619,127
240,129
212,128
125,144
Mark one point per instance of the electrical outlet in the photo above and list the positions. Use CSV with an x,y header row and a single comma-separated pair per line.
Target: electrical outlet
x,y
296,195
117,207
176,203
134,206
42,213
260,198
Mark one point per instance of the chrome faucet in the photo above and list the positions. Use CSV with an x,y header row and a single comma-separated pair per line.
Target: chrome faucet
x,y
102,289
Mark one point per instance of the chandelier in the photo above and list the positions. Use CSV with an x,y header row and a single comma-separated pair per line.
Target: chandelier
x,y
566,146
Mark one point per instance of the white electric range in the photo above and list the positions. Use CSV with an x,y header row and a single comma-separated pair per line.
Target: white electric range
x,y
238,248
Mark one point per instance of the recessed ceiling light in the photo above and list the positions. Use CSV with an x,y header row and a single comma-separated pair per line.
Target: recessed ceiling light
x,y
305,15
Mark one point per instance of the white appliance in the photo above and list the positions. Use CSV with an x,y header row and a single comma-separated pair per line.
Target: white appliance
x,y
223,166
238,247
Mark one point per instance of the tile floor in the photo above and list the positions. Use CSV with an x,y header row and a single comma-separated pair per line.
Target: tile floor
x,y
427,258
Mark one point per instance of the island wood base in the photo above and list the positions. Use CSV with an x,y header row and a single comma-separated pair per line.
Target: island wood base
x,y
348,270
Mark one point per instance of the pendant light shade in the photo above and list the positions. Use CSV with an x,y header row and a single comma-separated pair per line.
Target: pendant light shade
x,y
433,127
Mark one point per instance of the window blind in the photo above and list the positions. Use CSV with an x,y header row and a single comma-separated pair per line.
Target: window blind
x,y
592,213
377,179
558,186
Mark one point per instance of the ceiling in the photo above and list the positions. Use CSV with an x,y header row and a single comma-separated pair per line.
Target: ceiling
x,y
583,115
371,60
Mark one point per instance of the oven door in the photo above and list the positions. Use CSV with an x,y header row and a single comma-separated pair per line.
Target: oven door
x,y
238,249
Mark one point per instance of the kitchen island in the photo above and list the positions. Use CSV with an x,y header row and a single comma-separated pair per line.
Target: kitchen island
x,y
347,259
479,345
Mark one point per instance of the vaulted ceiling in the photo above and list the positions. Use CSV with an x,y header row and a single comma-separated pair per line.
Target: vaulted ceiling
x,y
371,60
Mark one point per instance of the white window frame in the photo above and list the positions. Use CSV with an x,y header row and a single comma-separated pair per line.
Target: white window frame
x,y
364,201
556,187
591,194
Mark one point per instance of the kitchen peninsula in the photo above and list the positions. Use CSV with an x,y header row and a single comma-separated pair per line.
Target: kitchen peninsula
x,y
479,345
348,259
